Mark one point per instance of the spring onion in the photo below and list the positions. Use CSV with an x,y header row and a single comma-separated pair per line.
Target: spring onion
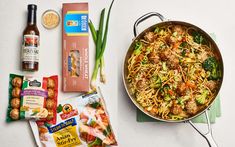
x,y
98,49
102,73
100,40
94,36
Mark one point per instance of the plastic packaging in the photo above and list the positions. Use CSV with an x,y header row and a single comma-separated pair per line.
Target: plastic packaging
x,y
32,98
81,121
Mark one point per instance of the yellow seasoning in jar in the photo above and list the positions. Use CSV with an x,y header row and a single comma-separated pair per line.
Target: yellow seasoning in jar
x,y
50,19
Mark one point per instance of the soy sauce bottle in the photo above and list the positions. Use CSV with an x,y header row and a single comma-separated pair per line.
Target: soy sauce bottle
x,y
30,45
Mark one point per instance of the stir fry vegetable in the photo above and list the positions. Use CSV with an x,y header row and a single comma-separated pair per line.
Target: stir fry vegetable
x,y
197,37
201,99
212,65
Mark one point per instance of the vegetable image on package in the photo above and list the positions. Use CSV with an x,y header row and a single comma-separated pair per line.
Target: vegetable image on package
x,y
81,121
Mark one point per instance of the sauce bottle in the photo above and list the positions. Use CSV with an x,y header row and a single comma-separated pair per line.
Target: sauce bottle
x,y
30,45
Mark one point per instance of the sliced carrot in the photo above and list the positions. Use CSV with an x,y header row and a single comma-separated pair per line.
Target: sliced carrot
x,y
90,138
42,130
190,84
176,45
171,92
140,58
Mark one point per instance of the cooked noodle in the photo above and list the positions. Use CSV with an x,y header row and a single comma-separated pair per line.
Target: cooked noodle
x,y
170,72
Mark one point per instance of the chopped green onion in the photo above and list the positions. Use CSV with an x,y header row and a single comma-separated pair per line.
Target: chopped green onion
x,y
137,52
157,30
164,67
148,50
138,46
167,97
145,60
174,34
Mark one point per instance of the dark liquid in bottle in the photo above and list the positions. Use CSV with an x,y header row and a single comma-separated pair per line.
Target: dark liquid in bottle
x,y
30,46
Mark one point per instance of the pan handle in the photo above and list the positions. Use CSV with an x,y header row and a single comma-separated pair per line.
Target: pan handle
x,y
144,17
208,136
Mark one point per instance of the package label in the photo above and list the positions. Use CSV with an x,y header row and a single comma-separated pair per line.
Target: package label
x,y
76,23
65,134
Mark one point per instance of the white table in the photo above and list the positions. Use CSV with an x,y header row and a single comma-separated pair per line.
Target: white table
x,y
212,16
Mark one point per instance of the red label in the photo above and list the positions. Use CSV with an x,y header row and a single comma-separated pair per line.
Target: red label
x,y
69,114
31,40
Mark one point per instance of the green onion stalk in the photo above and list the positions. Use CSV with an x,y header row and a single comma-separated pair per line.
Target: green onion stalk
x,y
102,71
102,67
100,42
98,50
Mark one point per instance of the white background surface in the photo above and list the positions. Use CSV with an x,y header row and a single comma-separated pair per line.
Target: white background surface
x,y
211,15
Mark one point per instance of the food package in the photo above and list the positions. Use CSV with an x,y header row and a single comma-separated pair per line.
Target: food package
x,y
75,47
32,98
81,121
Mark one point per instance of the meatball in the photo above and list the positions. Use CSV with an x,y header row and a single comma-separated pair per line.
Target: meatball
x,y
164,55
153,58
154,111
43,137
142,84
50,83
175,39
181,88
16,92
211,85
15,103
191,107
50,103
51,93
178,29
15,114
176,35
149,36
171,39
176,109
203,56
17,82
50,115
173,62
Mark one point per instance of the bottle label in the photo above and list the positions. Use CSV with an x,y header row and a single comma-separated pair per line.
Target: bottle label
x,y
30,48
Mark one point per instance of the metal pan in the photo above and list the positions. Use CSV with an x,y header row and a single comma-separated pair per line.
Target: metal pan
x,y
164,22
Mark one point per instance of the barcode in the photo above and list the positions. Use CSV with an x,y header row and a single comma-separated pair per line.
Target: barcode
x,y
84,23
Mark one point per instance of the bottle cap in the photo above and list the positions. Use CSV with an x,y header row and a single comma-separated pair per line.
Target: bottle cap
x,y
32,7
